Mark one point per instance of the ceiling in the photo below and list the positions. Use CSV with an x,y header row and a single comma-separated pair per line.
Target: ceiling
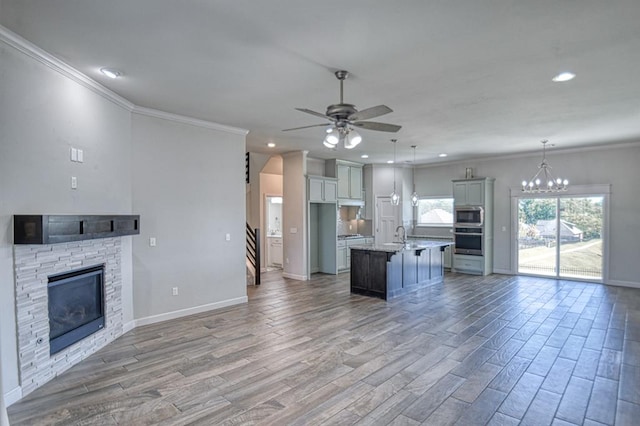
x,y
465,77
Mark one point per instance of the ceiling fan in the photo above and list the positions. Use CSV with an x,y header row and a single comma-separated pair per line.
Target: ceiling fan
x,y
343,116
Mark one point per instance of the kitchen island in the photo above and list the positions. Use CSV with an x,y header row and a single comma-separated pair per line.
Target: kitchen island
x,y
392,269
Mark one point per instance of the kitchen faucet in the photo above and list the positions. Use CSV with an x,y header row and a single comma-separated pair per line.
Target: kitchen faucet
x,y
404,233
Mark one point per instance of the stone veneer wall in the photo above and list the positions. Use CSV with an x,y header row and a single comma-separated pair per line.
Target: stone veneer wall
x,y
33,264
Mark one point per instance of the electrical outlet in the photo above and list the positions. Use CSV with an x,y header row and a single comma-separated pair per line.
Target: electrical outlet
x,y
227,237
174,291
74,182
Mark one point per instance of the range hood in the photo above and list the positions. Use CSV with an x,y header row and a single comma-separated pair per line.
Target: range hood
x,y
350,202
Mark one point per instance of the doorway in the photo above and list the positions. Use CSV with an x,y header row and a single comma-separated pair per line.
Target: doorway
x,y
561,237
273,231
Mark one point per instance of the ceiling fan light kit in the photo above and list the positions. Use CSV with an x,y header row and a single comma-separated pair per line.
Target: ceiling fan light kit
x,y
344,117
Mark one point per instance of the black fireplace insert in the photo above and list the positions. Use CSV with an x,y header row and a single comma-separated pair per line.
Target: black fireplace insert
x,y
76,306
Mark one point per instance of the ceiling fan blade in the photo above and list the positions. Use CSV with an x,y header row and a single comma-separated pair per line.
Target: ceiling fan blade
x,y
317,114
368,113
306,127
381,127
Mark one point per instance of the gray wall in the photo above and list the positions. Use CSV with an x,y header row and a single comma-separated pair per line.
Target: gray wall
x,y
188,199
43,114
185,179
616,165
294,214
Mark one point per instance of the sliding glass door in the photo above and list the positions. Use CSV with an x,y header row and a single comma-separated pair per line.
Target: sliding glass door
x,y
561,237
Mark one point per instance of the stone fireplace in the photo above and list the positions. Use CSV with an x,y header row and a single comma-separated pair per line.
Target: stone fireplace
x,y
84,251
33,266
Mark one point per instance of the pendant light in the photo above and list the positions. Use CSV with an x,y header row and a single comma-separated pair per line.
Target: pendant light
x,y
414,196
395,198
551,184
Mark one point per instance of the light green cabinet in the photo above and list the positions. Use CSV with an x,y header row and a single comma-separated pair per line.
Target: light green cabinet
x,y
349,177
469,192
322,190
342,256
477,192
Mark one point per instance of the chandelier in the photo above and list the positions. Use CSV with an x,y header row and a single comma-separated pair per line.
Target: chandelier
x,y
395,198
344,134
414,196
543,180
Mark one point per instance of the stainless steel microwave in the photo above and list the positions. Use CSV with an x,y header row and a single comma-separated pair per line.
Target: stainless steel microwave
x,y
473,216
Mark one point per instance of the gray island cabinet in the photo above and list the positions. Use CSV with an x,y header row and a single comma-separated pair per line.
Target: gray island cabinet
x,y
389,270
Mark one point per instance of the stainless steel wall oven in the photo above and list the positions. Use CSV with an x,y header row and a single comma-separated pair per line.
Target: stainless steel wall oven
x,y
468,240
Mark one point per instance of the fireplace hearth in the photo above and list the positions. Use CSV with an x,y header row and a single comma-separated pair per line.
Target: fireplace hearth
x,y
76,306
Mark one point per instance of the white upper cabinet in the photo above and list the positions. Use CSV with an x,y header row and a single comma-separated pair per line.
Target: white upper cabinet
x,y
469,192
349,178
322,190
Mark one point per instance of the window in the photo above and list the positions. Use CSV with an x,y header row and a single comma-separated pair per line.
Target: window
x,y
435,212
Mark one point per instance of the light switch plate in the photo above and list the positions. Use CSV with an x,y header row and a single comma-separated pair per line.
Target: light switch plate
x,y
227,237
74,154
152,242
80,156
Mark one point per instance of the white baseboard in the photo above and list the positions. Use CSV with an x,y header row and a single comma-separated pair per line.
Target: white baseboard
x,y
294,276
503,271
189,311
128,326
623,283
14,395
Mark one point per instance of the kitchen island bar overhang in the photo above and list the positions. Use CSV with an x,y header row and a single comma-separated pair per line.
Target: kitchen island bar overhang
x,y
390,270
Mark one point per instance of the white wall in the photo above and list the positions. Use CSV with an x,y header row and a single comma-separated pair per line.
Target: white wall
x,y
42,115
616,165
188,187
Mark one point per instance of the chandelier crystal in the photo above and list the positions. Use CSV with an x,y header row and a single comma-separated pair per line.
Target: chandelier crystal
x,y
395,198
543,180
414,196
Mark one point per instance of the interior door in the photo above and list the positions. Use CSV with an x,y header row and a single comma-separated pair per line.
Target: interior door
x,y
387,220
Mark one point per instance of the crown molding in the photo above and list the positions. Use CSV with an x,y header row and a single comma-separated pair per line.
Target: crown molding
x,y
188,120
34,52
31,50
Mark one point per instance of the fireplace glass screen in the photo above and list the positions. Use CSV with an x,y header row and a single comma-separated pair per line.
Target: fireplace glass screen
x,y
76,306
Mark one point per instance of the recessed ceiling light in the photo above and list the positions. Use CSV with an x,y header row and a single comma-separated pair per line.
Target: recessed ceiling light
x,y
271,145
389,161
110,72
442,155
563,76
364,156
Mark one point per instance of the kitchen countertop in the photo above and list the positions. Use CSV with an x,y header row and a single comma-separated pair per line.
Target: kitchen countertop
x,y
398,247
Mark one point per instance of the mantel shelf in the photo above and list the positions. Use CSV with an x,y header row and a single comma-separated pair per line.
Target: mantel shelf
x,y
54,229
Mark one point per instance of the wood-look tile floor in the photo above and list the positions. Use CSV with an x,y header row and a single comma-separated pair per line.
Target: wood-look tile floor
x,y
496,350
